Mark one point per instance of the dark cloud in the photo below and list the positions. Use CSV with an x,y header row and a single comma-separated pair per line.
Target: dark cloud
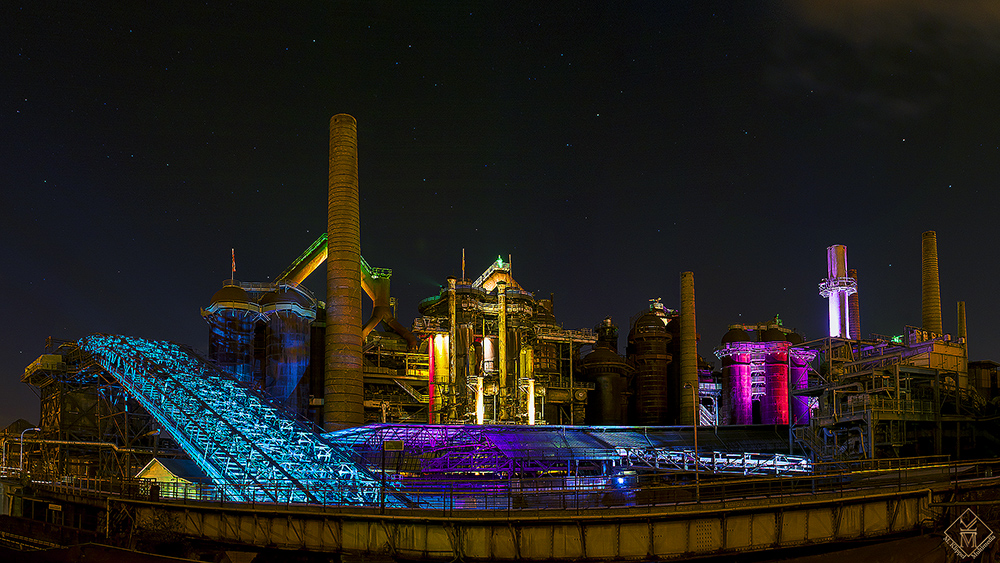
x,y
885,61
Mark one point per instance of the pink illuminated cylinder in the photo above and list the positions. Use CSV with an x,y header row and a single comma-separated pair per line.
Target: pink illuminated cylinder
x,y
800,380
431,395
836,266
736,383
774,403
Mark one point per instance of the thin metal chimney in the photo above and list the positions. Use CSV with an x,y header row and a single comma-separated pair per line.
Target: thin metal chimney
x,y
962,334
930,294
836,288
343,384
688,351
854,307
963,339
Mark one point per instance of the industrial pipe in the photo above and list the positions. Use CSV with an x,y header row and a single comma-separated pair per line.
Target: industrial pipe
x,y
378,289
375,286
452,350
502,345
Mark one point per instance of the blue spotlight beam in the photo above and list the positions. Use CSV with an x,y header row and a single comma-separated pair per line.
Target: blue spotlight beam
x,y
243,444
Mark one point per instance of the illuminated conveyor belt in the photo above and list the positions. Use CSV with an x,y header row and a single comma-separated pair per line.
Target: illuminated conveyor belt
x,y
249,449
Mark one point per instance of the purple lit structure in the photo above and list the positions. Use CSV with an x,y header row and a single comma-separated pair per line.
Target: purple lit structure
x,y
759,373
837,287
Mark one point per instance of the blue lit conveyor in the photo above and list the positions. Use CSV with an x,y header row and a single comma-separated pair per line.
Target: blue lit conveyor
x,y
249,449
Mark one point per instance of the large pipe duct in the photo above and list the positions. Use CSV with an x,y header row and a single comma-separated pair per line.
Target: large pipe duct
x,y
854,307
343,393
377,288
452,351
375,282
688,350
930,294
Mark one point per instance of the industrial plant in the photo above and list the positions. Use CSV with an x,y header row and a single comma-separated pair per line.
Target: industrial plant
x,y
485,430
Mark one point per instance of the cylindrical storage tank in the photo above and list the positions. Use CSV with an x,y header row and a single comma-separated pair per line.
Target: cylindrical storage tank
x,y
606,370
437,355
798,365
648,341
774,403
230,317
489,354
736,397
288,334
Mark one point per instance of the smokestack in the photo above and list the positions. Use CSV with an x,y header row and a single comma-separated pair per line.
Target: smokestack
x,y
837,287
854,307
930,294
963,339
343,394
962,336
688,350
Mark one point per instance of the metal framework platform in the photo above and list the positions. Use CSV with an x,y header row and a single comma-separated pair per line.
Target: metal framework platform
x,y
252,450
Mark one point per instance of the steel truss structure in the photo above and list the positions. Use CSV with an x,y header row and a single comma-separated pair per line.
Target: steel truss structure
x,y
252,450
520,451
719,462
249,448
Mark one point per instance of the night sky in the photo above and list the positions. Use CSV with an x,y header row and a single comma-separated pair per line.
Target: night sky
x,y
606,147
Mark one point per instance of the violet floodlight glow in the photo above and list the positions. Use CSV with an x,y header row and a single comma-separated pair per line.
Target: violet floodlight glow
x,y
836,287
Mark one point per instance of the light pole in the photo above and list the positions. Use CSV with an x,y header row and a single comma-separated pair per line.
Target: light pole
x,y
20,461
697,458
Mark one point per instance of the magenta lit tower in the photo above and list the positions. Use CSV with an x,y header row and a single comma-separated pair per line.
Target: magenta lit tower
x,y
837,287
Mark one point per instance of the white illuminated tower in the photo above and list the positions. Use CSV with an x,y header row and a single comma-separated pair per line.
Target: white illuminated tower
x,y
836,287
